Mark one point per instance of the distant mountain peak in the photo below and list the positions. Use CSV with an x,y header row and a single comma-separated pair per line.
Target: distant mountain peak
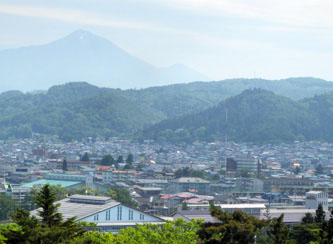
x,y
84,56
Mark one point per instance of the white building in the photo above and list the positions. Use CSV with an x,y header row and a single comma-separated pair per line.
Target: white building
x,y
314,198
110,176
249,208
107,214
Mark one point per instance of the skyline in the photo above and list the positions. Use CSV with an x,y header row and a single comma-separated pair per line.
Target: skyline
x,y
221,39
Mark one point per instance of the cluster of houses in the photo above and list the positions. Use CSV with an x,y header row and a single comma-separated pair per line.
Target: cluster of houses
x,y
287,178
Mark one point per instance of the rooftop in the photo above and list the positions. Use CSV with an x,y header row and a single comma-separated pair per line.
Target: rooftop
x,y
190,180
62,183
69,208
242,206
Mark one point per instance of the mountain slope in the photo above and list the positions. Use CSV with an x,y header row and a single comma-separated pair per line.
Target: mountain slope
x,y
82,56
74,111
255,115
78,109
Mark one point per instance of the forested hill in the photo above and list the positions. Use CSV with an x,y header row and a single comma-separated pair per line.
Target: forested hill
x,y
255,115
78,109
73,111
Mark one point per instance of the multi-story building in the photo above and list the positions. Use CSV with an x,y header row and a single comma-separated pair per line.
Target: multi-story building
x,y
314,198
249,208
249,184
110,176
237,164
185,184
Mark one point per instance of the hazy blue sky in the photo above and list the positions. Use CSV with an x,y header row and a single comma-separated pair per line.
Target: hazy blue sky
x,y
220,38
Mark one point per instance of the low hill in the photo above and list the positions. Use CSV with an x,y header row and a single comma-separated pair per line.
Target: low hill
x,y
255,115
78,109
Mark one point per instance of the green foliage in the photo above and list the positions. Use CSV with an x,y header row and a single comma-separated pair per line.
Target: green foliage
x,y
307,219
172,232
278,233
235,228
120,159
187,172
51,228
129,158
107,160
320,214
6,206
245,173
305,233
121,195
64,165
85,157
77,110
253,116
45,199
95,238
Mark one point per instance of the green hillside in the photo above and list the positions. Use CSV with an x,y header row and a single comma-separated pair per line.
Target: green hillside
x,y
78,109
255,115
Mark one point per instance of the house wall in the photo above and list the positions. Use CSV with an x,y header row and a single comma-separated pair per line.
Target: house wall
x,y
120,213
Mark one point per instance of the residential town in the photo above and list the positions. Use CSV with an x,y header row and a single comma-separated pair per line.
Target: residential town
x,y
168,181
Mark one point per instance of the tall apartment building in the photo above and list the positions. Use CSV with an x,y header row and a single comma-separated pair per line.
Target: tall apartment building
x,y
237,164
314,198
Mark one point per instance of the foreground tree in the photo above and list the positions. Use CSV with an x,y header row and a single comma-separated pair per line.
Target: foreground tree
x,y
320,214
172,232
121,195
6,205
278,232
234,228
49,227
307,219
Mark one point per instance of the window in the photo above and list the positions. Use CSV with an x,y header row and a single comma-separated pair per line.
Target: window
x,y
119,212
130,214
96,217
108,214
142,217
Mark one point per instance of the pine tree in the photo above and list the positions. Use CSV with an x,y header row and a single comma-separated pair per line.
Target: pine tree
x,y
120,159
307,219
130,159
320,214
278,232
45,199
49,229
107,160
64,165
85,157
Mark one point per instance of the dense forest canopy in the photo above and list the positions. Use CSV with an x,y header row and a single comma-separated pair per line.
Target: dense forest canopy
x,y
77,110
255,115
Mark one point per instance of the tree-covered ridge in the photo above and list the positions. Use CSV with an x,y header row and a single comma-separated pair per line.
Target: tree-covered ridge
x,y
255,115
78,109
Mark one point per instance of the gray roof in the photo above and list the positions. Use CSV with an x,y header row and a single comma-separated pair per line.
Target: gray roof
x,y
196,214
190,180
290,215
70,209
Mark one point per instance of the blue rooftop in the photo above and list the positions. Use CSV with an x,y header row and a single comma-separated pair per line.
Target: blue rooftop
x,y
62,183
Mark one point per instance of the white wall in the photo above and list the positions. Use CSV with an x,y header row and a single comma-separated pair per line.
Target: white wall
x,y
102,216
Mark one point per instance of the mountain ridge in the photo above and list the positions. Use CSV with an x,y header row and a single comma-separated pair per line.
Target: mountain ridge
x,y
83,56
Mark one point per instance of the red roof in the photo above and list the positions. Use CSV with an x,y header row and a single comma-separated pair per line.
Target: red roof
x,y
103,167
175,195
